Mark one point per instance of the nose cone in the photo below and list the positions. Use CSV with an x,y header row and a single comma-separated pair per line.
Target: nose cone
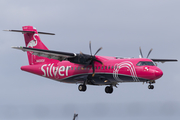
x,y
158,73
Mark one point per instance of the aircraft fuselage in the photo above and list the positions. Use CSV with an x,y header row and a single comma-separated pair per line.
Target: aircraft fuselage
x,y
112,71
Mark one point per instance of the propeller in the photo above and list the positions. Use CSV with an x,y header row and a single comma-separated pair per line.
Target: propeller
x,y
141,55
92,59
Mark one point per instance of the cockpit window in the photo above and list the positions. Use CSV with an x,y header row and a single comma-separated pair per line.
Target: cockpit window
x,y
143,63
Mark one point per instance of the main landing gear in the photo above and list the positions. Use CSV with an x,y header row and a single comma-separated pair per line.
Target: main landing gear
x,y
109,89
82,87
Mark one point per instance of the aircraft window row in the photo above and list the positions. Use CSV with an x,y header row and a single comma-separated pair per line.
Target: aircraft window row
x,y
88,68
143,63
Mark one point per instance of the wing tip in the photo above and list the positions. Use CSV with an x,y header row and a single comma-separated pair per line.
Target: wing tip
x,y
14,47
6,30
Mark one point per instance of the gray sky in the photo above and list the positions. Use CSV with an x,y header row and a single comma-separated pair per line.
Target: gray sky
x,y
120,27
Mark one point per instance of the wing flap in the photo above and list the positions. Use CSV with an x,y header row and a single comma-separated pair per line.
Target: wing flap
x,y
48,53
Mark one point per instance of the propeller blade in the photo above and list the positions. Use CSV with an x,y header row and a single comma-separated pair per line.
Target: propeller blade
x,y
81,53
149,53
90,47
98,51
93,69
98,61
88,63
140,52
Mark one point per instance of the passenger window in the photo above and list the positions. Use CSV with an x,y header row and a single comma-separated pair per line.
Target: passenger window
x,y
102,67
71,68
99,67
78,68
75,68
105,67
108,67
112,67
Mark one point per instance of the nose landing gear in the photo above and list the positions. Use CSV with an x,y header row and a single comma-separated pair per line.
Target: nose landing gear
x,y
151,86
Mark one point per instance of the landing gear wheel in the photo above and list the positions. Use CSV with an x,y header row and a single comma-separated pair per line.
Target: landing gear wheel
x,y
109,89
82,88
151,86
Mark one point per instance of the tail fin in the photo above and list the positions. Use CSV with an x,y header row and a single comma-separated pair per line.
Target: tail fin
x,y
32,40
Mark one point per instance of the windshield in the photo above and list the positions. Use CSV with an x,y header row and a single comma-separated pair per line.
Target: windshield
x,y
143,63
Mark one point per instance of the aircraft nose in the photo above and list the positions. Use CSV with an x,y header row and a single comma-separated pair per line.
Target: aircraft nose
x,y
158,73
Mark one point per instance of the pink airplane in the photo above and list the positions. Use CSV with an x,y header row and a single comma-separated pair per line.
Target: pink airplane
x,y
85,69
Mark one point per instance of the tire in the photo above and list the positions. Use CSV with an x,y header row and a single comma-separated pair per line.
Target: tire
x,y
109,89
151,86
82,88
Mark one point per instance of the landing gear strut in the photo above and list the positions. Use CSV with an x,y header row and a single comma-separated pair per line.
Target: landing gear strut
x,y
82,87
109,89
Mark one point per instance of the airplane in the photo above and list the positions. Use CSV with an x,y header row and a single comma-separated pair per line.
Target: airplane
x,y
86,69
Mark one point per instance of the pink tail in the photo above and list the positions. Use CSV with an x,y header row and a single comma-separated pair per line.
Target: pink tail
x,y
32,40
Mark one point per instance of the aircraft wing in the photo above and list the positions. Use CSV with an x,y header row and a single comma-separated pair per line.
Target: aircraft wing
x,y
164,60
48,53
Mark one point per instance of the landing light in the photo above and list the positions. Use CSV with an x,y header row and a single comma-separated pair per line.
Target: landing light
x,y
106,81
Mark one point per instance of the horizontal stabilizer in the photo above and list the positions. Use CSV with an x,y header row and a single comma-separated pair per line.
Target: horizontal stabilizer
x,y
48,53
23,32
46,33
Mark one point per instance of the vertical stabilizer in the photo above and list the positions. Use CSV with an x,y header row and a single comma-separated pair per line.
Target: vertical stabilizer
x,y
32,40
